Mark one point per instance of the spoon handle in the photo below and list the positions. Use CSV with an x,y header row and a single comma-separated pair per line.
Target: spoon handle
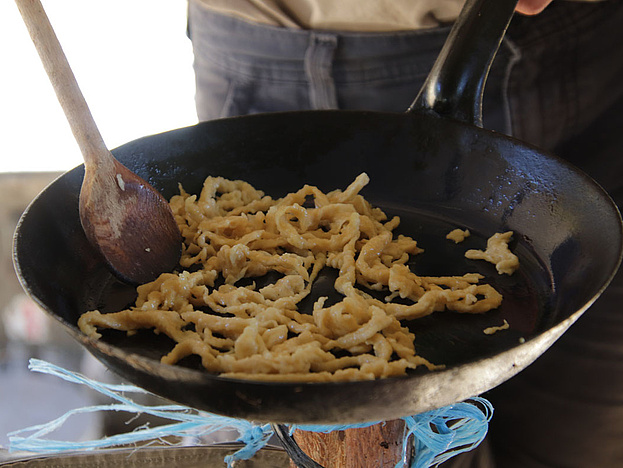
x,y
59,72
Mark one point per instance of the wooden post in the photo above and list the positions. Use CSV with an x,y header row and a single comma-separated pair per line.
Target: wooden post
x,y
375,446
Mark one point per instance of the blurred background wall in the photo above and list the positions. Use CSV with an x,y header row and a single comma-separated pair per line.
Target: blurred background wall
x,y
133,62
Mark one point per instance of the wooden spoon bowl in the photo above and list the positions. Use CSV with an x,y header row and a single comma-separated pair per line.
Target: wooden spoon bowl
x,y
122,215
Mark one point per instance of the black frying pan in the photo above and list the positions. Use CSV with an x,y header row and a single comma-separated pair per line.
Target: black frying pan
x,y
433,166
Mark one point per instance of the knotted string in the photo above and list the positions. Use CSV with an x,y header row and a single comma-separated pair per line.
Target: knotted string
x,y
436,435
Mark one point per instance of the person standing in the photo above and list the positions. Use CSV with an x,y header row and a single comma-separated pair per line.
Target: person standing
x,y
556,82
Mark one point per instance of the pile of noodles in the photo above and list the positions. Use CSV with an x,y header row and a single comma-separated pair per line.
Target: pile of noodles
x,y
233,231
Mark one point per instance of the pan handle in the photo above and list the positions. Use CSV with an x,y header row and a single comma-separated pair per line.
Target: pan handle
x,y
456,81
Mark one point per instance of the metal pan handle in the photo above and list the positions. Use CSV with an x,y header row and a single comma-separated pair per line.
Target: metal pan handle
x,y
456,82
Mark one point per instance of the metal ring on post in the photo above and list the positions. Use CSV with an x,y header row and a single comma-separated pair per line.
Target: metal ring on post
x,y
300,458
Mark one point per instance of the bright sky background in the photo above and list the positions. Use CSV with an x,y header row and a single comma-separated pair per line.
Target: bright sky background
x,y
133,63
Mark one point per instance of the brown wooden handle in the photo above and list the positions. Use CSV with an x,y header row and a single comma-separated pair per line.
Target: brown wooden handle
x,y
59,72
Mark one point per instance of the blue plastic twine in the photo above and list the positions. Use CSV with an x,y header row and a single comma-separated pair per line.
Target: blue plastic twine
x,y
436,435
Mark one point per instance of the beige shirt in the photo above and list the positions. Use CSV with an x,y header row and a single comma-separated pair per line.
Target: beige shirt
x,y
344,15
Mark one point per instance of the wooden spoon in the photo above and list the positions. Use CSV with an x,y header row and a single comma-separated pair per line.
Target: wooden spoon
x,y
128,220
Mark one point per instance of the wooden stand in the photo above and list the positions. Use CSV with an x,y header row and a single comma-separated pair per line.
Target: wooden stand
x,y
371,447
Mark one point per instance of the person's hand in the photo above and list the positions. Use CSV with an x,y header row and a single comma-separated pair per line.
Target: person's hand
x,y
531,7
